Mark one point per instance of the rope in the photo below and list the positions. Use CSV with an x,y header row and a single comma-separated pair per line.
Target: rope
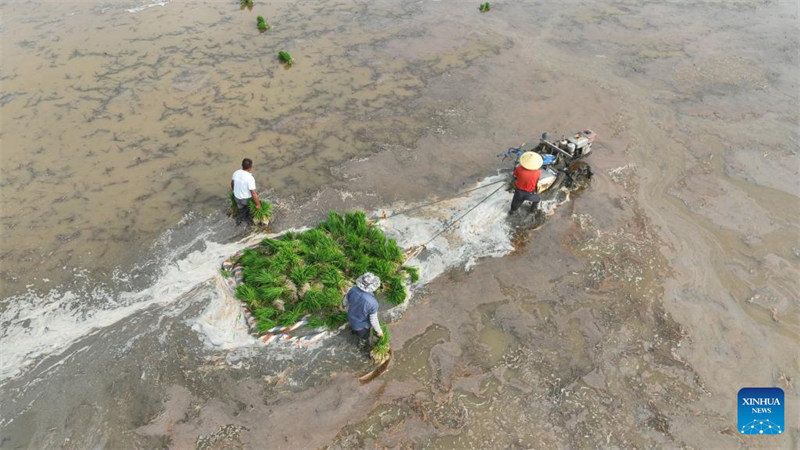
x,y
404,211
462,216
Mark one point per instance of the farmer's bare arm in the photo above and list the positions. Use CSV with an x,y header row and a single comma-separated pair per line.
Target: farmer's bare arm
x,y
255,198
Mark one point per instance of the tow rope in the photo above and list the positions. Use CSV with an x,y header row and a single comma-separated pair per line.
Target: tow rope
x,y
461,216
405,211
416,250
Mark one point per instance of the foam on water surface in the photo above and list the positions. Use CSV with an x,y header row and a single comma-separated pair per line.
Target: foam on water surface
x,y
37,325
483,232
145,5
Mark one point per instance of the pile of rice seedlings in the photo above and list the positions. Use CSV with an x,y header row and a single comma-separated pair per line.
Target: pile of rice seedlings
x,y
485,7
304,273
246,4
262,24
285,57
261,216
380,351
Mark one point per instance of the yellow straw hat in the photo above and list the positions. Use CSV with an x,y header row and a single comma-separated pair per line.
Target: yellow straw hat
x,y
530,160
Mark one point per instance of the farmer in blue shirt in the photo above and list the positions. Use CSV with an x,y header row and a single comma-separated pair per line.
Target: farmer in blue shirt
x,y
362,306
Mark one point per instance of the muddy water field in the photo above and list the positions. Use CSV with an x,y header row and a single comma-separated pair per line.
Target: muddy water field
x,y
628,318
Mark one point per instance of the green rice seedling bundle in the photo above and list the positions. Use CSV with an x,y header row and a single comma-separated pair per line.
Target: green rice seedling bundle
x,y
307,273
264,325
312,300
265,318
262,24
485,7
246,293
290,316
413,273
290,256
332,278
331,298
356,222
234,207
336,320
261,215
265,278
315,322
246,4
285,58
358,265
380,351
382,268
269,294
394,289
334,225
302,274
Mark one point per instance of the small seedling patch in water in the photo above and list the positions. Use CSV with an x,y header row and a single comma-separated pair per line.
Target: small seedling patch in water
x,y
297,274
246,4
485,7
262,24
285,58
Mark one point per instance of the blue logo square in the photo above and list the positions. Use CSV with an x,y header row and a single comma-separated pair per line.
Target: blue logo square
x,y
761,411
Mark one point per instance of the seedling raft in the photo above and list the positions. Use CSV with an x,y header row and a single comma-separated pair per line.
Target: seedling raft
x,y
305,275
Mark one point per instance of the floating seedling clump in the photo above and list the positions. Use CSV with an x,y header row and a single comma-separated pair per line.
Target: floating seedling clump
x,y
262,24
285,58
298,274
246,4
485,7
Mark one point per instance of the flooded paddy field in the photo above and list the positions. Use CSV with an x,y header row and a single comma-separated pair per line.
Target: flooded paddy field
x,y
628,318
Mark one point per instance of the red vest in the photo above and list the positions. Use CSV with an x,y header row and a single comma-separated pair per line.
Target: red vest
x,y
526,179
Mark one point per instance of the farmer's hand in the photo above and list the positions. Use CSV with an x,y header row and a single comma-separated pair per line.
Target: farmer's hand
x,y
379,333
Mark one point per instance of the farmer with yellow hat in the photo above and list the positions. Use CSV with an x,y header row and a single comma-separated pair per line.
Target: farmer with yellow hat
x,y
527,176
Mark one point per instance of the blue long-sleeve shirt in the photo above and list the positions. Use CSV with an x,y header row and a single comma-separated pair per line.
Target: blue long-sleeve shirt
x,y
362,309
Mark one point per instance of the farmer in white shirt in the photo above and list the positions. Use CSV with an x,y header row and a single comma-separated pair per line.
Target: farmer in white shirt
x,y
243,186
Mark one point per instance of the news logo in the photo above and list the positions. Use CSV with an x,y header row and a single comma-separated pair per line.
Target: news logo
x,y
761,411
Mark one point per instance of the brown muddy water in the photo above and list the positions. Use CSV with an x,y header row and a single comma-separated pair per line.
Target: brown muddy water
x,y
629,319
